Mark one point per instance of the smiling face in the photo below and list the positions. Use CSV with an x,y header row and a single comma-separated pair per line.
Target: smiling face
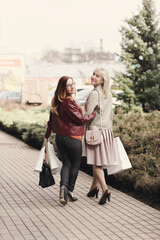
x,y
96,78
70,87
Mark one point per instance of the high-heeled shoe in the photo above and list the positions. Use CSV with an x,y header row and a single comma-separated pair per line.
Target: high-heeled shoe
x,y
106,196
63,195
71,198
93,192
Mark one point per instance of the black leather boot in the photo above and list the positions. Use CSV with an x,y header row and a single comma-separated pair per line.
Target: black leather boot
x,y
63,195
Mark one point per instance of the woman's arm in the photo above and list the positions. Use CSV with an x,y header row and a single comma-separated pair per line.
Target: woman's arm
x,y
74,112
91,102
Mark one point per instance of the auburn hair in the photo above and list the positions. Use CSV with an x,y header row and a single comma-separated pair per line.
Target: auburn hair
x,y
60,94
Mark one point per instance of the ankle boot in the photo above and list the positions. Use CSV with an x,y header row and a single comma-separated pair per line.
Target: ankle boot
x,y
106,196
93,192
63,195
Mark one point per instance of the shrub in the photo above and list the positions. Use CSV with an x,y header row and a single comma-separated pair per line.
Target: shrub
x,y
140,135
29,125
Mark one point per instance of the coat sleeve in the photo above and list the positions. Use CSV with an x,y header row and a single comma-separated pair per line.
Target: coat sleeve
x,y
75,114
91,102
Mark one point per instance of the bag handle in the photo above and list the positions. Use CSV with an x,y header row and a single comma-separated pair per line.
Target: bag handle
x,y
99,97
99,110
46,152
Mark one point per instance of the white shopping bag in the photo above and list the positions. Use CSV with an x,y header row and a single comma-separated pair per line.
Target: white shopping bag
x,y
120,158
47,152
41,157
54,163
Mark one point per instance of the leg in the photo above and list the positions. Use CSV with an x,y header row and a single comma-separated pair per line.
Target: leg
x,y
95,178
63,151
94,187
100,177
65,171
75,156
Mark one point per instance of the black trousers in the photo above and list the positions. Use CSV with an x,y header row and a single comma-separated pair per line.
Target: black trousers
x,y
70,151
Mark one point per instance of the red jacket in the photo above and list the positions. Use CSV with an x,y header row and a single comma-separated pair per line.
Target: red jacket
x,y
70,119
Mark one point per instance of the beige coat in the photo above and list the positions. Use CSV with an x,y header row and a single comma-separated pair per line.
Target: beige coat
x,y
93,103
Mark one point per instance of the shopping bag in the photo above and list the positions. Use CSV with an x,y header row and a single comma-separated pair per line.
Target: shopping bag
x,y
46,178
41,157
47,153
51,156
121,160
54,163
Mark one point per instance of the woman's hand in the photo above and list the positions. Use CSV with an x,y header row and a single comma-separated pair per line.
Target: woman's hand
x,y
94,113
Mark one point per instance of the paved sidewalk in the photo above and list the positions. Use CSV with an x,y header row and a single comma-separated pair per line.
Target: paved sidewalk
x,y
30,212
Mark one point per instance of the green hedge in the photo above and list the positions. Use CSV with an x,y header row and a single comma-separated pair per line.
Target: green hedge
x,y
139,132
29,125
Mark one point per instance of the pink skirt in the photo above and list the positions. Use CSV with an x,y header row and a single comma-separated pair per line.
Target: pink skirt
x,y
101,155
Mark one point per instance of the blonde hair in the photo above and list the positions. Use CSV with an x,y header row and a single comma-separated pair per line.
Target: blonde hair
x,y
105,75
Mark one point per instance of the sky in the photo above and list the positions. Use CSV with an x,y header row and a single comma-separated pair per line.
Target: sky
x,y
33,26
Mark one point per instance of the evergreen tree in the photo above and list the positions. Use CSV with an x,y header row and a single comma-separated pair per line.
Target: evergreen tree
x,y
141,56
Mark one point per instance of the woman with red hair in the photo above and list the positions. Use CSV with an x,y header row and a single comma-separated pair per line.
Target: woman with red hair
x,y
66,121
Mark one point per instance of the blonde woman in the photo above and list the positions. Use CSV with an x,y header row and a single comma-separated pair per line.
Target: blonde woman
x,y
99,156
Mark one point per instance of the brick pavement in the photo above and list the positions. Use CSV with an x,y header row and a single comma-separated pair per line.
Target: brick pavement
x,y
30,212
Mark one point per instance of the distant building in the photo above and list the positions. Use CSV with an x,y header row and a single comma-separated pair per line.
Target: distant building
x,y
75,55
71,55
